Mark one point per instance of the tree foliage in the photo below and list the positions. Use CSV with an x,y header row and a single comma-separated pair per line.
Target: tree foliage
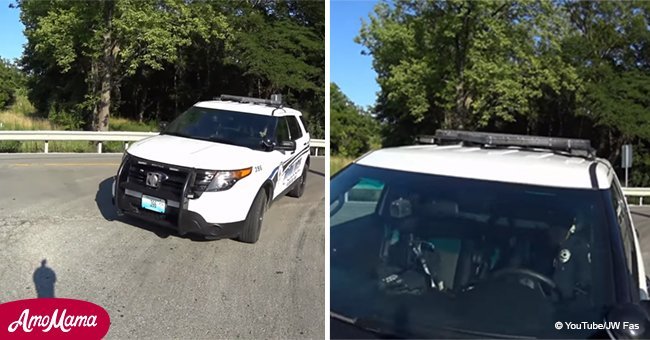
x,y
352,132
151,59
11,79
572,69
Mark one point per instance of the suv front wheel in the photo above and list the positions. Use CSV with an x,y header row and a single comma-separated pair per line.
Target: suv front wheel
x,y
253,224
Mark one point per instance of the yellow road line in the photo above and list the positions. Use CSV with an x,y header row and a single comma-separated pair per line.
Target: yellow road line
x,y
63,164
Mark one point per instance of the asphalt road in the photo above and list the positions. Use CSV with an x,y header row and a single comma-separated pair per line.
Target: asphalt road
x,y
153,283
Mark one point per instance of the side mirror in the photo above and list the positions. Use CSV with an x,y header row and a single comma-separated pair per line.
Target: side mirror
x,y
287,145
162,126
267,144
632,320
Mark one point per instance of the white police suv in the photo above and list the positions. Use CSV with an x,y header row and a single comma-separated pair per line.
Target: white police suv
x,y
216,168
484,235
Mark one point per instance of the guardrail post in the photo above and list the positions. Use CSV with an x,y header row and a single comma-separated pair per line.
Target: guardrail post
x,y
126,145
99,147
46,148
640,200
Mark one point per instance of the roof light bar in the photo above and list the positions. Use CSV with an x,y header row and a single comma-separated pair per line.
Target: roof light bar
x,y
276,101
502,139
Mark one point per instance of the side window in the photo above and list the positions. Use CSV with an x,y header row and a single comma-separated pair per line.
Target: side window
x,y
627,233
282,130
304,123
294,128
358,201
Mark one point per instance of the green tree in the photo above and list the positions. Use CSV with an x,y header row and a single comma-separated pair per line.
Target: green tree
x,y
463,64
11,79
279,46
166,55
105,41
352,132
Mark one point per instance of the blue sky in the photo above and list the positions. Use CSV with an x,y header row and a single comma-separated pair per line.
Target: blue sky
x,y
11,38
350,70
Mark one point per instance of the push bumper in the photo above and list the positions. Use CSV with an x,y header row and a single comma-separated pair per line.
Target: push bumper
x,y
183,221
127,198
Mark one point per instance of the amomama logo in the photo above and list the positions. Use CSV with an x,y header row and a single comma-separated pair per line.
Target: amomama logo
x,y
53,318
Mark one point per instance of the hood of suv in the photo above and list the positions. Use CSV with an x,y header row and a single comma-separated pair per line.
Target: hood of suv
x,y
194,153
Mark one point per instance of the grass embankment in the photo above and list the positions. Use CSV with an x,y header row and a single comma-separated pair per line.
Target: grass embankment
x,y
338,162
21,116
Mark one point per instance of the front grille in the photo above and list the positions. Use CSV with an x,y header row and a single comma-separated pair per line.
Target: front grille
x,y
133,176
174,184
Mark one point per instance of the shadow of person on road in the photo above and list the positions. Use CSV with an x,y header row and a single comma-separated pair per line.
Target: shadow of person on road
x,y
44,280
104,201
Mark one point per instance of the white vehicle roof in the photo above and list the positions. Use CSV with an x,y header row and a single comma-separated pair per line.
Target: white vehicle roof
x,y
511,165
259,109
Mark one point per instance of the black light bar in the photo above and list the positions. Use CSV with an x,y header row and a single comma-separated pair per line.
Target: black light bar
x,y
240,99
502,139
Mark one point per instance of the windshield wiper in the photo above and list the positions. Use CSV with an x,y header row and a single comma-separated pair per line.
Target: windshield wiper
x,y
230,142
479,334
368,325
220,140
381,328
208,139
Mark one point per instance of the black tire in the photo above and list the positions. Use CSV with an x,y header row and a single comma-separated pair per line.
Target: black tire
x,y
253,224
299,187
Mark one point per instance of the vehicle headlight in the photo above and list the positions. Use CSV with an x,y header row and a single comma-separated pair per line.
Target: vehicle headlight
x,y
219,180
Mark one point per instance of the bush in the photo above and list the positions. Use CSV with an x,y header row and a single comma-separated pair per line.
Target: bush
x,y
10,79
121,124
113,147
22,105
66,119
337,163
71,146
10,146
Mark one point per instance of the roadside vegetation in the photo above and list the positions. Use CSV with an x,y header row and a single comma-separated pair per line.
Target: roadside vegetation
x,y
20,116
338,162
353,131
129,65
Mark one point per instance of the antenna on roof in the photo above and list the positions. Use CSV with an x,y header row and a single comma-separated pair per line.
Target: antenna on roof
x,y
573,146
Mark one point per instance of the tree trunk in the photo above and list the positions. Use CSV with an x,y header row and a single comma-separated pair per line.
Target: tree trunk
x,y
104,103
143,103
461,109
109,49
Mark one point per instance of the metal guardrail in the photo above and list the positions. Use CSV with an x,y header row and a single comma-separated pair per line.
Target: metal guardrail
x,y
101,136
315,145
637,192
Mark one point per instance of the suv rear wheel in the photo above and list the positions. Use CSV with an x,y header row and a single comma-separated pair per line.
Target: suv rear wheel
x,y
254,219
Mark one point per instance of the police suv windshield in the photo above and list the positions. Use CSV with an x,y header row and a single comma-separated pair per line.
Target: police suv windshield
x,y
423,255
230,127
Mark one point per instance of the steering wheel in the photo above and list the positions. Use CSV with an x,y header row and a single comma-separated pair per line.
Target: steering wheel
x,y
539,277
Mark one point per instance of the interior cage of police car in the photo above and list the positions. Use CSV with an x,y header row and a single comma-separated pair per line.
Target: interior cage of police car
x,y
457,232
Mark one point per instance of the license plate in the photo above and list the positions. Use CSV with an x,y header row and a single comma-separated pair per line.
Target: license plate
x,y
154,204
